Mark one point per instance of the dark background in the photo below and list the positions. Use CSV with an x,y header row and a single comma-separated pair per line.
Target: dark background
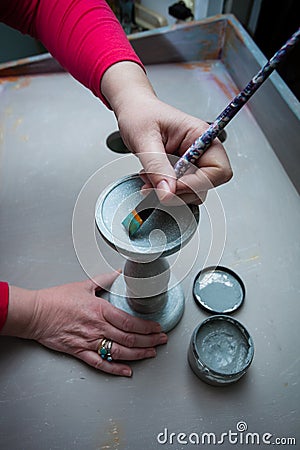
x,y
278,20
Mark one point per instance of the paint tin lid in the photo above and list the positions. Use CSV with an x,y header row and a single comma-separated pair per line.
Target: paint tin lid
x,y
218,290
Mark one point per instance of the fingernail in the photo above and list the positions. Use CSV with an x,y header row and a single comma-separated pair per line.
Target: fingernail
x,y
127,372
163,339
164,186
163,190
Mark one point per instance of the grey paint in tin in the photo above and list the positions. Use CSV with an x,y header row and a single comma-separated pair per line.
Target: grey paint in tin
x,y
221,350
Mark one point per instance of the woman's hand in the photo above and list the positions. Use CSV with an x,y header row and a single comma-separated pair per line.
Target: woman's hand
x,y
152,130
72,319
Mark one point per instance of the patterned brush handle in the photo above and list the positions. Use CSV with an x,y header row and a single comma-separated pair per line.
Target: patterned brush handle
x,y
203,142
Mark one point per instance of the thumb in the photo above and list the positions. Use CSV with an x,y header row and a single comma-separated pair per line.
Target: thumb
x,y
159,171
103,281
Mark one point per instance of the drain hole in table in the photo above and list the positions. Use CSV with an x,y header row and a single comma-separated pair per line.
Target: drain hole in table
x,y
115,143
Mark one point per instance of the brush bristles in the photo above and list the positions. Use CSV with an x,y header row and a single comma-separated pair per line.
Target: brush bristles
x,y
132,222
135,219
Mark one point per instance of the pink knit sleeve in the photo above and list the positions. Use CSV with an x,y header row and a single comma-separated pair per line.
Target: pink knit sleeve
x,y
4,294
83,35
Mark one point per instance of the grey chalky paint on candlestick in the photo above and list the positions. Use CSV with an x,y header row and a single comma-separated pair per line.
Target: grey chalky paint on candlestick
x,y
164,233
147,288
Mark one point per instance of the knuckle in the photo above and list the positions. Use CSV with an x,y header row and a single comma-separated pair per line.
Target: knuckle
x,y
129,340
200,198
157,166
113,370
228,174
99,363
142,354
198,202
154,166
126,323
115,352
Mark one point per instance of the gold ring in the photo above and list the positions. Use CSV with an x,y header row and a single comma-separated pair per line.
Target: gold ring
x,y
104,349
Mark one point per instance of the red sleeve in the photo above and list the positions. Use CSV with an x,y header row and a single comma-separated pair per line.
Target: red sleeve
x,y
4,291
83,35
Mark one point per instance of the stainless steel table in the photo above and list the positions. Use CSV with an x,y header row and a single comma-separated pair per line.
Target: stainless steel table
x,y
52,140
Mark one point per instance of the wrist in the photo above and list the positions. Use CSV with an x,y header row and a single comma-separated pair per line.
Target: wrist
x,y
21,310
122,83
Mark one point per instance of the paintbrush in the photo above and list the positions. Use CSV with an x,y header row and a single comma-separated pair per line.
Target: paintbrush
x,y
134,220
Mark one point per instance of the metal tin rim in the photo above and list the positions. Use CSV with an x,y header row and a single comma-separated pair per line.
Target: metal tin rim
x,y
245,333
224,269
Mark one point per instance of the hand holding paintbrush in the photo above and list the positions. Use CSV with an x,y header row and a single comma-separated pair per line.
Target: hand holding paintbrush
x,y
134,220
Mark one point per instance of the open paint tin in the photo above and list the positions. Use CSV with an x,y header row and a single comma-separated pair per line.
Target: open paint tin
x,y
221,350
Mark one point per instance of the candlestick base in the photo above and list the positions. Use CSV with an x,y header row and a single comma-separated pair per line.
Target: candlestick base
x,y
168,316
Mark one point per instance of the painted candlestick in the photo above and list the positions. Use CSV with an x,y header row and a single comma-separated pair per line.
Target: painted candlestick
x,y
147,288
